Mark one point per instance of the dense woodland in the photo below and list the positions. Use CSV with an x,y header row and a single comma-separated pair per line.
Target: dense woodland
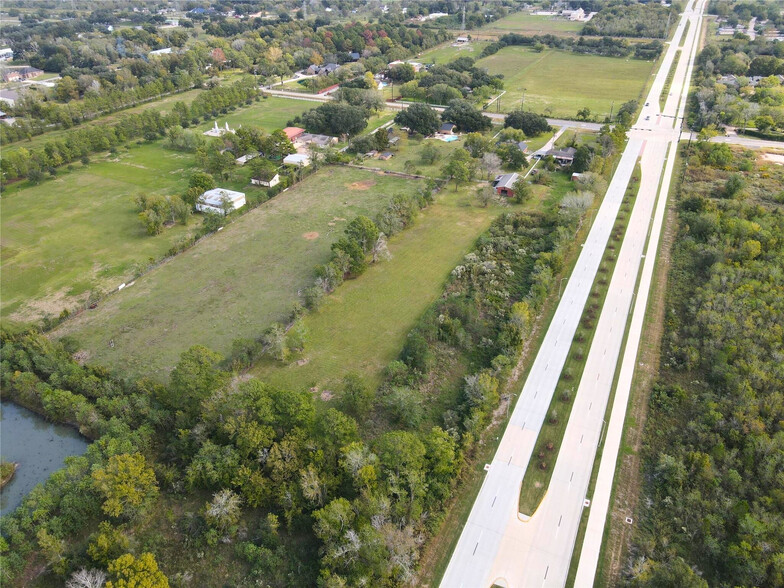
x,y
622,19
713,503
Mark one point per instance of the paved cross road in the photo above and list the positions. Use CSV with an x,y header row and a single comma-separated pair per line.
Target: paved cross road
x,y
497,544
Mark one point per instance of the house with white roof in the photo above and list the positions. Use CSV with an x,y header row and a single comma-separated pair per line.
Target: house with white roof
x,y
218,200
297,159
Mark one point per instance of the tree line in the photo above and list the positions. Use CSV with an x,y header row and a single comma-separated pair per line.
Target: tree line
x,y
638,19
78,144
712,505
605,46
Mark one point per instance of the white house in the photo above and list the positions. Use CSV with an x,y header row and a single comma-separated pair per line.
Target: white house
x,y
462,41
9,97
164,51
6,54
216,199
297,159
274,181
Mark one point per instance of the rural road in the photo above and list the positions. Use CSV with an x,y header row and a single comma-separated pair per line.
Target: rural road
x,y
495,116
497,545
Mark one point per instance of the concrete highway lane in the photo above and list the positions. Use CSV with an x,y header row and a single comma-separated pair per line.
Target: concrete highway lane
x,y
497,544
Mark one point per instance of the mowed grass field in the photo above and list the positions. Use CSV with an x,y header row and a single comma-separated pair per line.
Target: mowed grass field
x,y
80,231
236,282
532,24
268,114
565,82
447,53
362,326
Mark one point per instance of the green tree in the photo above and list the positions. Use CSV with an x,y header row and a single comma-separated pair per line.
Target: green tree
x,y
419,118
193,379
467,118
476,144
357,396
364,231
126,483
128,571
277,145
734,186
429,154
764,122
582,159
202,180
222,513
522,190
107,544
530,123
584,113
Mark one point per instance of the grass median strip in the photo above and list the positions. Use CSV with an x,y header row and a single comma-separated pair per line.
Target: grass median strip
x,y
540,467
668,82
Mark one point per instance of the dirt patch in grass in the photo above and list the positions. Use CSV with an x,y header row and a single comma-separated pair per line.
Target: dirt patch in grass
x,y
51,305
362,185
773,158
311,235
326,395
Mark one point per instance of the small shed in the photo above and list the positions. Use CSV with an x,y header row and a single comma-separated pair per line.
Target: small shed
x,y
448,129
246,158
273,181
386,155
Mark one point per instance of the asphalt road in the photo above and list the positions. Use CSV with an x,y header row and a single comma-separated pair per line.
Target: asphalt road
x,y
497,544
495,116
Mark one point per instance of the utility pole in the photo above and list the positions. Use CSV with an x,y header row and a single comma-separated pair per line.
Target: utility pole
x,y
462,28
304,9
611,109
522,100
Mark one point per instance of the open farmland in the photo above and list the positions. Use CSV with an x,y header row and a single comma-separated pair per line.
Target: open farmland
x,y
448,52
234,283
362,326
560,83
80,231
267,114
532,24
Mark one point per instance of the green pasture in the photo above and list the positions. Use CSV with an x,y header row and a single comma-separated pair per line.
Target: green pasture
x,y
267,114
447,53
525,23
235,283
362,326
559,83
80,231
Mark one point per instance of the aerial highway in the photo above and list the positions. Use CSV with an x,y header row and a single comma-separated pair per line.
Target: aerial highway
x,y
498,545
